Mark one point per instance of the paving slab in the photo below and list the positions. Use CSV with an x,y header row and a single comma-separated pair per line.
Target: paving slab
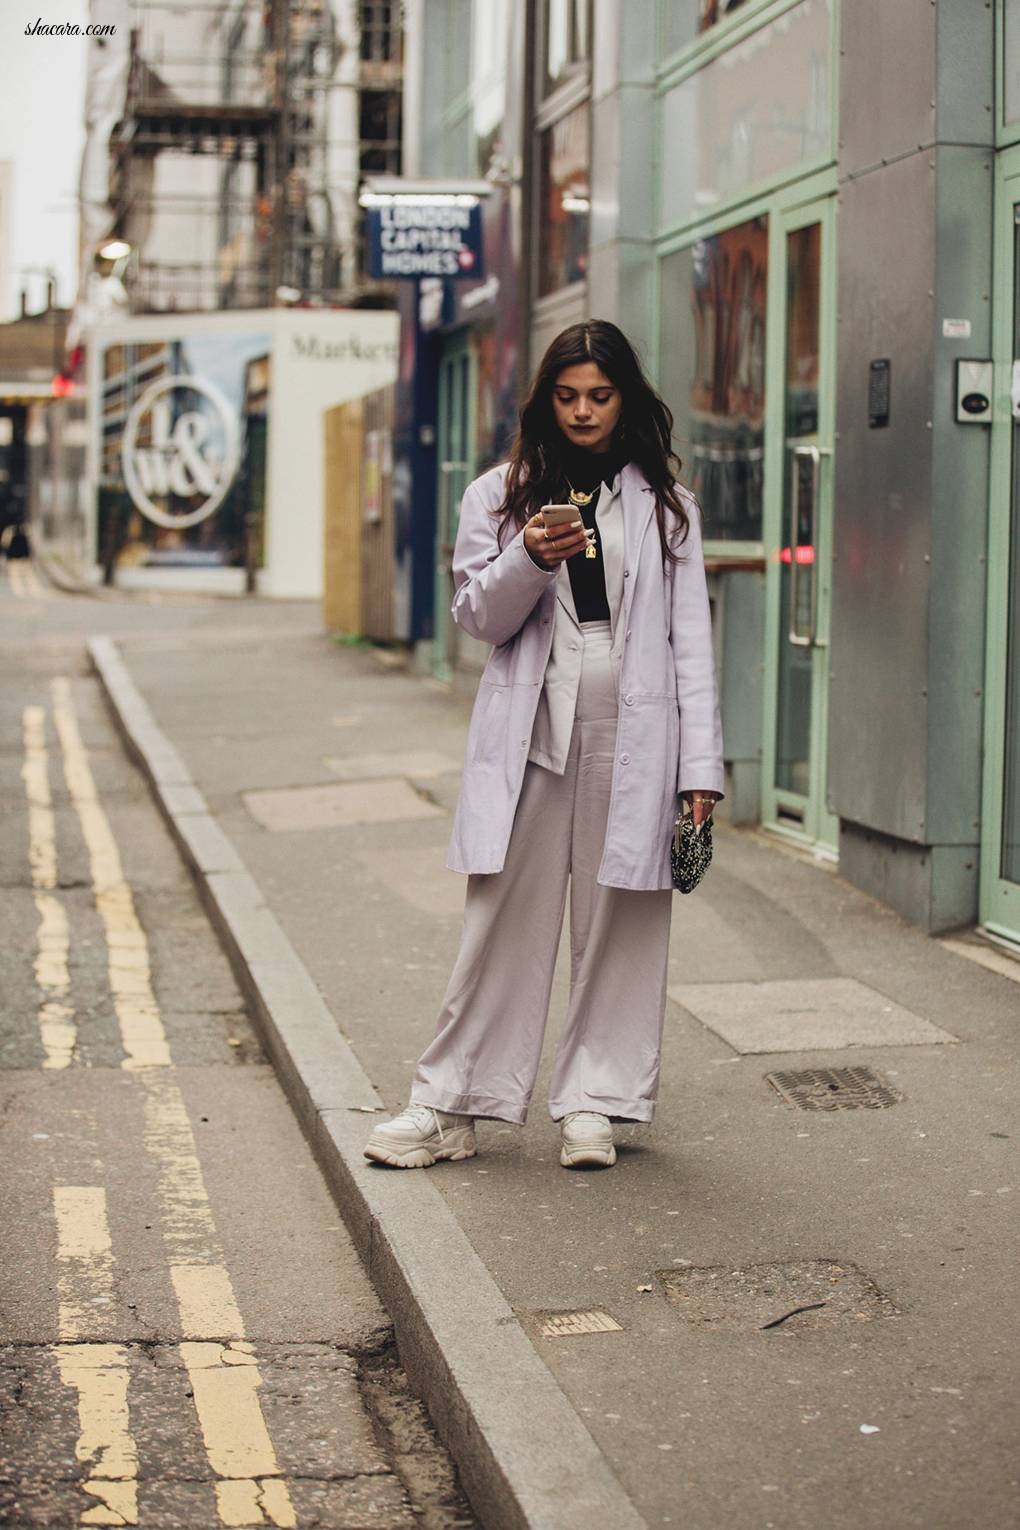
x,y
805,1015
330,807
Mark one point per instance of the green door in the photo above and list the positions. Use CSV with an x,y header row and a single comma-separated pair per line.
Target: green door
x,y
798,521
456,470
1000,814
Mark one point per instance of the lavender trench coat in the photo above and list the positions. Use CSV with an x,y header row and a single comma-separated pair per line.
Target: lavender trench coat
x,y
669,736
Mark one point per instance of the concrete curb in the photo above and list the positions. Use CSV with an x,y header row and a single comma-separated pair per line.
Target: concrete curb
x,y
525,1458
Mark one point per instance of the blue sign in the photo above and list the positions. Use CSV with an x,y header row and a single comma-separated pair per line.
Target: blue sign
x,y
410,240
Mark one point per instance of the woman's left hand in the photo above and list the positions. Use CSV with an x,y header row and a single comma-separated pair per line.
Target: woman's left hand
x,y
701,803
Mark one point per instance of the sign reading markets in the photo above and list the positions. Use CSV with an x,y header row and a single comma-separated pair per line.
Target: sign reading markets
x,y
414,239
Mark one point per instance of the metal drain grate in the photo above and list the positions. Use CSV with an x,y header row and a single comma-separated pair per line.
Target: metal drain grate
x,y
834,1089
558,1325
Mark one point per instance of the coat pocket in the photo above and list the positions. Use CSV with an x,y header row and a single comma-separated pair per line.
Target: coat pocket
x,y
489,721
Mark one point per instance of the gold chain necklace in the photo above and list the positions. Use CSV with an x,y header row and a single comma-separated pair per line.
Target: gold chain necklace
x,y
579,499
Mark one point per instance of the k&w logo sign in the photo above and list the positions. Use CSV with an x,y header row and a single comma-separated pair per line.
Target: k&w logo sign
x,y
190,454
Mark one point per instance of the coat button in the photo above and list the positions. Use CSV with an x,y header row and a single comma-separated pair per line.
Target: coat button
x,y
626,573
628,632
524,743
625,759
629,700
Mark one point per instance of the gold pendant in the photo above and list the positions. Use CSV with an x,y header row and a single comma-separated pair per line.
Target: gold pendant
x,y
591,551
577,498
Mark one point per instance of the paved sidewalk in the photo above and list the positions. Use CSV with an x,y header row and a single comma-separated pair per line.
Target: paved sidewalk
x,y
888,1398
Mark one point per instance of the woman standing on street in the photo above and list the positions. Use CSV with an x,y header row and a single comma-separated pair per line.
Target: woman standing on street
x,y
597,711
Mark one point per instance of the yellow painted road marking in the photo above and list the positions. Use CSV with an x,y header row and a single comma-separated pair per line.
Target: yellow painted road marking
x,y
97,1372
224,1376
134,1002
56,1016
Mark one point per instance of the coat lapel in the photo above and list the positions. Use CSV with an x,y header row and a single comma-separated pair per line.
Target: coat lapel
x,y
565,594
623,520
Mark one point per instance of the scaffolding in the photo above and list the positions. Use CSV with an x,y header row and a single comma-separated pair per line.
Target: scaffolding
x,y
247,127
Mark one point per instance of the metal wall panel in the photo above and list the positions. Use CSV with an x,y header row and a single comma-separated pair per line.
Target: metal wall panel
x,y
965,72
887,80
959,507
878,728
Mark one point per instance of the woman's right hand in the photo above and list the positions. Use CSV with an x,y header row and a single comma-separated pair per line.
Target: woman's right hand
x,y
550,548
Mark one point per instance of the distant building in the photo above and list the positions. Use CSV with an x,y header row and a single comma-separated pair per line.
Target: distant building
x,y
233,159
226,141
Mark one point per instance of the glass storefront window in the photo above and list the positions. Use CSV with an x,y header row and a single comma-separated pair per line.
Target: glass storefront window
x,y
1009,857
564,153
798,542
760,110
684,20
566,40
712,372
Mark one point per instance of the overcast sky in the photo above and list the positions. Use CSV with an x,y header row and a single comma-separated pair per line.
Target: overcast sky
x,y
42,91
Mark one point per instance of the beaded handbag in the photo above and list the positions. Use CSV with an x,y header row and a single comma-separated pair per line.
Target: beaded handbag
x,y
691,850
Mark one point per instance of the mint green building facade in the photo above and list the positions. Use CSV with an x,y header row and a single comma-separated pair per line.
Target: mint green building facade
x,y
804,213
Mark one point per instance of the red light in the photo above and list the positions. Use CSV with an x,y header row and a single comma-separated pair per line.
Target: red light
x,y
804,555
62,386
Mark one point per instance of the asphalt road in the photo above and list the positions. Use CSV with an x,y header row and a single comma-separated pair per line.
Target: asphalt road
x,y
187,1338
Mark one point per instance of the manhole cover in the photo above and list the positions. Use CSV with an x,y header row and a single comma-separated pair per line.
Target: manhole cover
x,y
834,1089
804,1293
560,1325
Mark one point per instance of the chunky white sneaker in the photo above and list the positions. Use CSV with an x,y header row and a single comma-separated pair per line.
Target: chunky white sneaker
x,y
419,1136
587,1140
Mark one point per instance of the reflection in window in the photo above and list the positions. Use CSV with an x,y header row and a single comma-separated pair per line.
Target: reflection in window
x,y
760,110
564,204
712,11
683,20
566,40
712,372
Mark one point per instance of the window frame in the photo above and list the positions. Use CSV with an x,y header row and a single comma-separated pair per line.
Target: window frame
x,y
721,552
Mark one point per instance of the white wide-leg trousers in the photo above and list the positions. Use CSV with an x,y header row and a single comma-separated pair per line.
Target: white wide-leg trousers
x,y
485,1055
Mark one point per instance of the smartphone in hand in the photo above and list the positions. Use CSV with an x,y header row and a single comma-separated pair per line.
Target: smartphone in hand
x,y
555,516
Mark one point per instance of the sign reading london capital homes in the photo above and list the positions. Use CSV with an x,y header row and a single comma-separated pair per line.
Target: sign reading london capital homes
x,y
421,238
180,450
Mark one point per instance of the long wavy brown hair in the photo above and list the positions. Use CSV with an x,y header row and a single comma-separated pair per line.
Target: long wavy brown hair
x,y
645,429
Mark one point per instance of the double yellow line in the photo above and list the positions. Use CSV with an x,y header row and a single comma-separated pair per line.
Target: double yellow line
x,y
222,1369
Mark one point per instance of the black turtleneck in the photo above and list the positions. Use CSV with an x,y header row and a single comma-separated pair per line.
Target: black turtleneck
x,y
587,471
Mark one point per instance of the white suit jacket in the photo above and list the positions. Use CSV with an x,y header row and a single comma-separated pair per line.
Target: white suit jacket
x,y
554,719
